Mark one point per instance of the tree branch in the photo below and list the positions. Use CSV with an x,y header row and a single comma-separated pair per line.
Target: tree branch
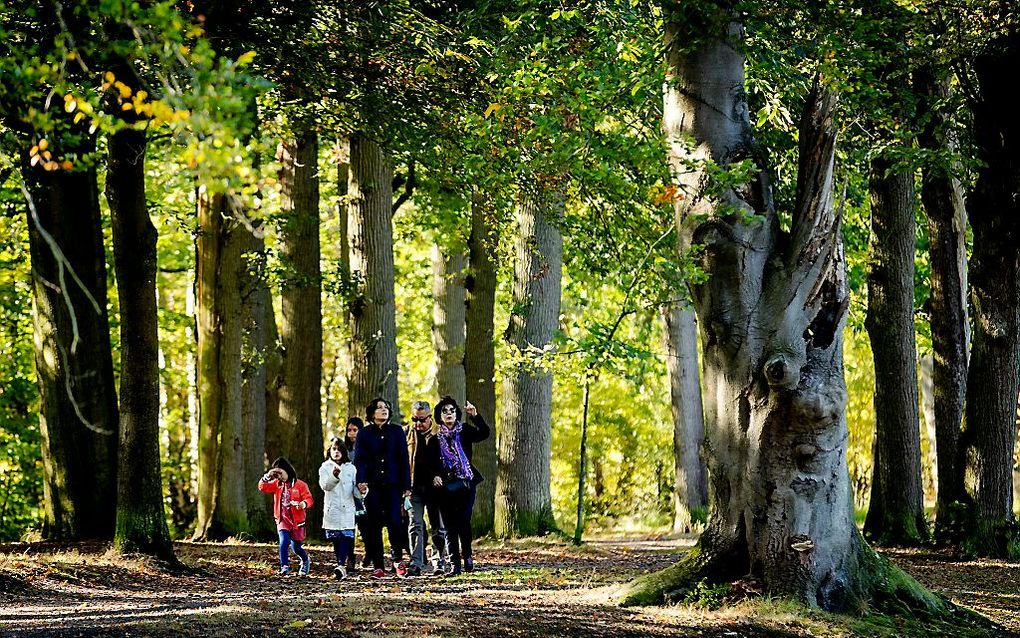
x,y
409,185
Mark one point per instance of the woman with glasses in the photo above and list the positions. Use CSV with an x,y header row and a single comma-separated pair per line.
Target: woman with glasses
x,y
460,477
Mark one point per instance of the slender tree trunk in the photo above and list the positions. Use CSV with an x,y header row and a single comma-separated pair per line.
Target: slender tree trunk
x,y
929,460
987,443
277,432
343,171
942,196
230,258
74,367
523,497
141,519
480,356
771,316
896,511
448,317
301,330
690,494
373,312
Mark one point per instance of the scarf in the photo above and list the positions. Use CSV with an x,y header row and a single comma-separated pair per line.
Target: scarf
x,y
452,452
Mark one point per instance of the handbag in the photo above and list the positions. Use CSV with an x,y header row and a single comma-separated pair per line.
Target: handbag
x,y
457,486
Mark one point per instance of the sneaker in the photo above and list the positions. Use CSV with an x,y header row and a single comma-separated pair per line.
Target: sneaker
x,y
284,570
340,572
469,565
413,571
455,571
378,574
306,566
400,569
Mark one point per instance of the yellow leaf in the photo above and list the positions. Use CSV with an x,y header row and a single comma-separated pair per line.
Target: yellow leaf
x,y
34,160
35,150
109,77
245,58
78,117
492,107
43,144
126,106
66,165
70,106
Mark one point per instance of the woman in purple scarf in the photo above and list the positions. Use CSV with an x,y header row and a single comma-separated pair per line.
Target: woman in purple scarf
x,y
457,492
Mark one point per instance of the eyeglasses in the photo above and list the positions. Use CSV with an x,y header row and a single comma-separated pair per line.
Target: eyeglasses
x,y
449,409
423,419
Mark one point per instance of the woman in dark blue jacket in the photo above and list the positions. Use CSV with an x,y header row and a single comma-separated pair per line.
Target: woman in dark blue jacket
x,y
380,456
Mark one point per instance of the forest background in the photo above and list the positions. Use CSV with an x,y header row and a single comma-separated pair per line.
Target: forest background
x,y
470,100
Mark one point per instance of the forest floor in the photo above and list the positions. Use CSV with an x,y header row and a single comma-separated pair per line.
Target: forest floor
x,y
527,588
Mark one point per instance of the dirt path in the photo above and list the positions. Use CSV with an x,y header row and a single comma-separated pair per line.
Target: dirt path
x,y
522,589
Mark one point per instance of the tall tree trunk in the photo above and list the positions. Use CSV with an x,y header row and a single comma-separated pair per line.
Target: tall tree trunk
x,y
373,312
523,497
993,382
480,355
141,519
301,329
343,172
74,366
690,494
896,511
448,320
771,317
942,196
230,259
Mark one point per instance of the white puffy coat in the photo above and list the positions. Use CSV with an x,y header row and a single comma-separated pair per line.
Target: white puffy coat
x,y
338,507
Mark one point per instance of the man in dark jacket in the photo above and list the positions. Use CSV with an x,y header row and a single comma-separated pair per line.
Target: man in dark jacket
x,y
380,454
423,453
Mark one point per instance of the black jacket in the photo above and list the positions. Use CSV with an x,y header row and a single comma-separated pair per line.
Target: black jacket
x,y
475,430
380,454
427,464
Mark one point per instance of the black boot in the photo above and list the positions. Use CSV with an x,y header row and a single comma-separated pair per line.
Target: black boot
x,y
456,565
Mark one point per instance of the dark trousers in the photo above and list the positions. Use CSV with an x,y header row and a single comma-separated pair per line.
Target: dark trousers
x,y
456,509
343,548
382,509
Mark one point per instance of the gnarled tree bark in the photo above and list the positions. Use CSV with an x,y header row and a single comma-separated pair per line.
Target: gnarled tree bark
x,y
771,317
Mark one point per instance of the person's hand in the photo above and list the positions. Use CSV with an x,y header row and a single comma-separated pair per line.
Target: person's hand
x,y
300,505
362,487
336,472
438,481
470,409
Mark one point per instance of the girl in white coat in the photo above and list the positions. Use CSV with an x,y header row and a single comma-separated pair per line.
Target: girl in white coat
x,y
337,478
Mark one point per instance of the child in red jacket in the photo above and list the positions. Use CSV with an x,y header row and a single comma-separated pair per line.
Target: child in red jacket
x,y
291,500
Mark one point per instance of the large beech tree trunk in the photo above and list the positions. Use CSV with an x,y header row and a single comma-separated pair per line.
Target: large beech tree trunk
x,y
141,519
896,510
942,196
771,318
74,367
230,255
993,382
448,317
480,355
301,330
523,496
690,494
373,345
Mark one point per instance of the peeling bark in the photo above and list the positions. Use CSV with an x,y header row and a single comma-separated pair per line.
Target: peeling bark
x,y
771,316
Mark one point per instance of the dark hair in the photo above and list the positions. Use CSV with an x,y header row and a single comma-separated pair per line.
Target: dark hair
x,y
437,414
345,456
371,408
357,422
286,466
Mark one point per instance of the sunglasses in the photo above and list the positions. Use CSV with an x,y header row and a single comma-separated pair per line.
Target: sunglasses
x,y
449,409
420,420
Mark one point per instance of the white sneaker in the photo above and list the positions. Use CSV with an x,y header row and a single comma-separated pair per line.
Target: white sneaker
x,y
340,572
306,566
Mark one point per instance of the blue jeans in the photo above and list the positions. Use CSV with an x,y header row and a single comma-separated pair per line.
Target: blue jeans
x,y
285,543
